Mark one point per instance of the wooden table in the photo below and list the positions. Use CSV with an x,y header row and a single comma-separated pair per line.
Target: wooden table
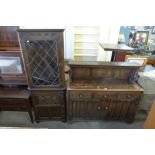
x,y
116,48
15,99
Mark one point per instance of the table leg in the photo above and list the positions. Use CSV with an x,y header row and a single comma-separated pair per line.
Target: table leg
x,y
31,116
114,56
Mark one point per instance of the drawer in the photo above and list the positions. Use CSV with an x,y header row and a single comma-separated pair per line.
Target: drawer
x,y
48,98
14,108
13,102
101,96
116,96
128,97
80,95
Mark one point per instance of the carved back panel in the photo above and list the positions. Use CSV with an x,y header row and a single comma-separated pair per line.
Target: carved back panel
x,y
43,55
99,71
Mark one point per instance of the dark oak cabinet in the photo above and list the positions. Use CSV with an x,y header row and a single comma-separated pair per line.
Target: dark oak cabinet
x,y
43,54
103,91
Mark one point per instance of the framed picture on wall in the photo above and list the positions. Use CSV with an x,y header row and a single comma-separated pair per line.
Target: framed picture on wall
x,y
153,30
141,37
141,60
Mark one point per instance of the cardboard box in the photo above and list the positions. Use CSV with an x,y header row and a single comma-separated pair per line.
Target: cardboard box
x,y
150,120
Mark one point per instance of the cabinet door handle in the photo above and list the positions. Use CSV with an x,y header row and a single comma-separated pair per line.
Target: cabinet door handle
x,y
106,108
105,96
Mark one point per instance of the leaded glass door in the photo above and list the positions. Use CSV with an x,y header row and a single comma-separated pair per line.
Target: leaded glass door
x,y
43,57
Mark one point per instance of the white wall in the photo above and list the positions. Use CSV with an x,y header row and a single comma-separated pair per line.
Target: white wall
x,y
108,34
69,42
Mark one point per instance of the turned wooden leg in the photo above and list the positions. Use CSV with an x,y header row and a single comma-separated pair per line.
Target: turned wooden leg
x,y
31,116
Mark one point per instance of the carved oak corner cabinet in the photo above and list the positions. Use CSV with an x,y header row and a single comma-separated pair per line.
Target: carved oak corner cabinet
x,y
102,90
43,54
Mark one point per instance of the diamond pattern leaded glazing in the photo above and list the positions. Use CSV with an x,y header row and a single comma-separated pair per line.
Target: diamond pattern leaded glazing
x,y
43,61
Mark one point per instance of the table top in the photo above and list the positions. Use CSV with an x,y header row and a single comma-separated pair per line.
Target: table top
x,y
116,47
102,64
105,85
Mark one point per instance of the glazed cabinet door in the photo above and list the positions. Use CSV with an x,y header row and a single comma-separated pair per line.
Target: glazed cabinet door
x,y
43,53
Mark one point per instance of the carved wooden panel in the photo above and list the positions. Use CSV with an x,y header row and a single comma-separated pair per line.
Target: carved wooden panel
x,y
102,105
86,110
48,98
103,71
49,104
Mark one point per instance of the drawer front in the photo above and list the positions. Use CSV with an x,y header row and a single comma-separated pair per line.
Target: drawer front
x,y
52,98
13,102
117,96
80,95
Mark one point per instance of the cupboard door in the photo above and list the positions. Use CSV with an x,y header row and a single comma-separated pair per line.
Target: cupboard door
x,y
121,105
87,110
116,110
49,105
50,112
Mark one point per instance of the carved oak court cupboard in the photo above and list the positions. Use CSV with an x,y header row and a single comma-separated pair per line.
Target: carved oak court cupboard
x,y
103,90
43,54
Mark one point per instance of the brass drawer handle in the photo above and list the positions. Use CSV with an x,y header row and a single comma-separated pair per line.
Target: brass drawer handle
x,y
105,96
129,96
106,108
98,108
80,95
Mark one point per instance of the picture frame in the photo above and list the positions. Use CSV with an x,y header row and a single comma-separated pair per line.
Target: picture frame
x,y
141,60
153,30
141,37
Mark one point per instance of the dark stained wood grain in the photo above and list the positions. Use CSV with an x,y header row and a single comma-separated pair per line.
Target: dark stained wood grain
x,y
44,64
102,91
8,37
15,99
